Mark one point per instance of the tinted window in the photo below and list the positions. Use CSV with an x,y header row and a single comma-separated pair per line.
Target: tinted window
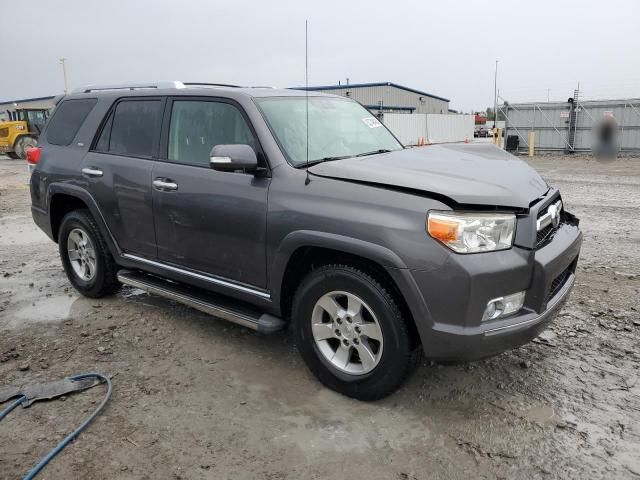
x,y
67,120
197,126
103,142
133,128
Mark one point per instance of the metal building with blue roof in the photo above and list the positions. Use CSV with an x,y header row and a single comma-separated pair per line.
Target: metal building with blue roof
x,y
387,97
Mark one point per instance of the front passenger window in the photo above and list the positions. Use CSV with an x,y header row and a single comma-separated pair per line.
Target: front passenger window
x,y
197,126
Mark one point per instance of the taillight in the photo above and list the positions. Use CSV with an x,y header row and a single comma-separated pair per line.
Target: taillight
x,y
33,155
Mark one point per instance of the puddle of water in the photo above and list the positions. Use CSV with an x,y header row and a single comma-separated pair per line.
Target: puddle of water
x,y
533,412
339,434
20,231
541,414
140,297
46,310
131,292
36,303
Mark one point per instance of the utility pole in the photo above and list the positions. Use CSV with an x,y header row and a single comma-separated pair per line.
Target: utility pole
x,y
495,96
548,94
64,72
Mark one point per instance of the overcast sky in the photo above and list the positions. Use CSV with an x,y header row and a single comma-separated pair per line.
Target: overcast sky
x,y
447,48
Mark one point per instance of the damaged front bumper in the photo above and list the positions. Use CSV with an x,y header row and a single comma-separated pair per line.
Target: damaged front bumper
x,y
457,300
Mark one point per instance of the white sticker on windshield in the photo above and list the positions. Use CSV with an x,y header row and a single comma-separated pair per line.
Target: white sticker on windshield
x,y
372,122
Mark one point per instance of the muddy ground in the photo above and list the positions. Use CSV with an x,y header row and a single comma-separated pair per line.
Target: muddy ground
x,y
198,398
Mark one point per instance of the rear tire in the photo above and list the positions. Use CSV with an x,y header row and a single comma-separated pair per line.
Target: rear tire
x,y
13,155
85,256
370,369
23,144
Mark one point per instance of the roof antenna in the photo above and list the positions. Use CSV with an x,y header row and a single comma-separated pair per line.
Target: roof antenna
x,y
306,90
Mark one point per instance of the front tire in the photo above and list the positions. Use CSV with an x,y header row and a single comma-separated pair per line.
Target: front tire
x,y
85,256
351,332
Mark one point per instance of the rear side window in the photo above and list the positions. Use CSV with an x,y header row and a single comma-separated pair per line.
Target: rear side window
x,y
68,119
132,128
197,126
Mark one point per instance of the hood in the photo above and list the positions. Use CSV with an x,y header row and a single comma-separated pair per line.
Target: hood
x,y
480,174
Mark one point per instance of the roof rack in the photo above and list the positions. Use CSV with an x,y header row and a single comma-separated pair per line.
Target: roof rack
x,y
129,86
152,85
203,84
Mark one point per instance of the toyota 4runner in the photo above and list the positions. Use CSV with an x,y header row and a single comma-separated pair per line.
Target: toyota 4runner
x,y
271,207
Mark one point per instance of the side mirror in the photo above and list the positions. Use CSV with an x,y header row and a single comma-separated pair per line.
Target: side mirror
x,y
229,158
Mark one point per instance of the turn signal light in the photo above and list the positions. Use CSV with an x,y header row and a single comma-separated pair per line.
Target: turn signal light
x,y
33,155
443,230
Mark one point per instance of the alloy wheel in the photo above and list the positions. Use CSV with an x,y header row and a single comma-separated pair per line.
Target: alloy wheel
x,y
82,254
347,332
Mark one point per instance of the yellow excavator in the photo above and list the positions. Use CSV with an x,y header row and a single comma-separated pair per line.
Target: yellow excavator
x,y
21,131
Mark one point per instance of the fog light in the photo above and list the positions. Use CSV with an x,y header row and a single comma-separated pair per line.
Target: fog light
x,y
513,303
503,306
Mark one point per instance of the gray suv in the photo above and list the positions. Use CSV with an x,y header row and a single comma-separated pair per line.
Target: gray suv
x,y
270,208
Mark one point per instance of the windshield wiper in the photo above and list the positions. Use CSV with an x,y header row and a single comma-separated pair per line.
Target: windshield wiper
x,y
330,159
321,160
381,150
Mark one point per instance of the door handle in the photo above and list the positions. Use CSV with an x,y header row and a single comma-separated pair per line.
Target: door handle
x,y
164,184
92,172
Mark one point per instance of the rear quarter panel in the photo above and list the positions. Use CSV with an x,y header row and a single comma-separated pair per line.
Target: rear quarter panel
x,y
62,163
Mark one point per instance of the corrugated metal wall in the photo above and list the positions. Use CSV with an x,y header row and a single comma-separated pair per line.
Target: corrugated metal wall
x,y
432,128
392,97
551,123
450,128
408,128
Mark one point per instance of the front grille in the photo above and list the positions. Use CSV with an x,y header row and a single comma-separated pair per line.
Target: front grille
x,y
4,132
545,234
558,283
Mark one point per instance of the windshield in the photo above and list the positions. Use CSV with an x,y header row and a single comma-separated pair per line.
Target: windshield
x,y
338,128
36,119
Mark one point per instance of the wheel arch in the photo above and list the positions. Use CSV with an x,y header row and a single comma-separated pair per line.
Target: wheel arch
x,y
301,252
64,198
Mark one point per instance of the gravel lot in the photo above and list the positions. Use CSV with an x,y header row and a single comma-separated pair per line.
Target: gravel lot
x,y
198,398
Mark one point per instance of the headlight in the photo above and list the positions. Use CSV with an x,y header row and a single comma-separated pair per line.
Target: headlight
x,y
472,232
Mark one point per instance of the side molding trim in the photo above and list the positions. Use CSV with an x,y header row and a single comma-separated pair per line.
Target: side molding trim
x,y
199,276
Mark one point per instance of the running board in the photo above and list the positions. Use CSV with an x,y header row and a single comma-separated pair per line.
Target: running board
x,y
205,301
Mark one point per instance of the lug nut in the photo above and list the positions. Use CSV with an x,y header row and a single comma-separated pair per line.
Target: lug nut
x,y
357,329
346,342
356,341
337,332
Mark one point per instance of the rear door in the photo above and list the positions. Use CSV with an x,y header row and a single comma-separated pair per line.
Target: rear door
x,y
210,221
118,171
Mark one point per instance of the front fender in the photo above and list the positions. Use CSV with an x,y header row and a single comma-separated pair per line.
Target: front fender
x,y
311,238
383,256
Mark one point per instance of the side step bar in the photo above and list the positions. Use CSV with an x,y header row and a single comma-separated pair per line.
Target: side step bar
x,y
205,301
